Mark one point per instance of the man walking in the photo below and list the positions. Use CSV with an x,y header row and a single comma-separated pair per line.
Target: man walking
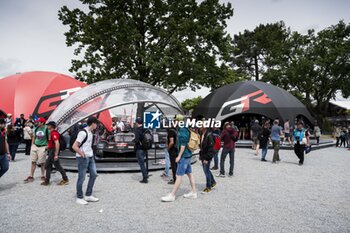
x,y
227,136
86,161
276,133
38,149
52,159
256,131
183,161
4,149
140,152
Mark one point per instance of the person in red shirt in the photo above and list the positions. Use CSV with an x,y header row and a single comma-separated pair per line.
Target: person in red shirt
x,y
52,159
227,136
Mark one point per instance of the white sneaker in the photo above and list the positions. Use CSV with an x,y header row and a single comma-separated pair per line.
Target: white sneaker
x,y
91,199
81,201
220,175
190,195
168,198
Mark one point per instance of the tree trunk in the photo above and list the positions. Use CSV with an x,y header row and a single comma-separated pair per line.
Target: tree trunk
x,y
140,110
256,68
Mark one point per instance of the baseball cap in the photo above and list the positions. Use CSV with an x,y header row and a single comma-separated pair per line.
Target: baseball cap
x,y
52,123
9,114
41,120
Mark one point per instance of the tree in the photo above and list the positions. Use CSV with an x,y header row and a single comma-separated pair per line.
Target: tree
x,y
254,49
190,104
172,44
314,67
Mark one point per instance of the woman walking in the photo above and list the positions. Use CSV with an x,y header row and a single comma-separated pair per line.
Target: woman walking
x,y
13,139
301,139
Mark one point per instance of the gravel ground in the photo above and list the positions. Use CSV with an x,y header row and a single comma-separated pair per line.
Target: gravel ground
x,y
261,197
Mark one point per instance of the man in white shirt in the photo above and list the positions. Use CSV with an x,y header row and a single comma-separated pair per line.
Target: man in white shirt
x,y
86,161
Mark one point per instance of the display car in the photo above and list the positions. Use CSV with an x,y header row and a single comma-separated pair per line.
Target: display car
x,y
122,145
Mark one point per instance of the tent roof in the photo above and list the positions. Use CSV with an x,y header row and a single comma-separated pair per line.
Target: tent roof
x,y
251,97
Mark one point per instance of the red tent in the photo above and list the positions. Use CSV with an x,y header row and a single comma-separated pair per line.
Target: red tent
x,y
38,93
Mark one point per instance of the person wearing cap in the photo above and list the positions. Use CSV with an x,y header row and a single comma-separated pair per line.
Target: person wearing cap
x,y
4,149
183,161
8,120
227,136
140,153
301,138
38,150
52,159
86,161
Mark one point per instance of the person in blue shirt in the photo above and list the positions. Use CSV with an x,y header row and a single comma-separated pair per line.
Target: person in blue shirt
x,y
276,133
301,138
183,161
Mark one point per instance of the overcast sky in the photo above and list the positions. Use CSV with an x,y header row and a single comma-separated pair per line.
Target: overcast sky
x,y
31,36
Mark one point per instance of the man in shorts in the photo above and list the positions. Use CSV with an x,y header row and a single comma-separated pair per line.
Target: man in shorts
x,y
39,149
183,161
286,132
256,131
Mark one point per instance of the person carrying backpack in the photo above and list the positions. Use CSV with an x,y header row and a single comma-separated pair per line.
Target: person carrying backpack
x,y
52,159
206,154
139,149
38,149
183,160
229,136
86,161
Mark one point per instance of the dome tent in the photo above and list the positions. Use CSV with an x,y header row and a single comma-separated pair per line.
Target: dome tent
x,y
109,94
38,93
252,97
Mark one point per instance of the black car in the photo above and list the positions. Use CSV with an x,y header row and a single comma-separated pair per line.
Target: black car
x,y
122,144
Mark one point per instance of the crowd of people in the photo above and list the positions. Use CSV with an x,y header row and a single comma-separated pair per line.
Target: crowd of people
x,y
44,143
342,135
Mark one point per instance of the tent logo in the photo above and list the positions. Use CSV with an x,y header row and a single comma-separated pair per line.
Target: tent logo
x,y
240,105
151,120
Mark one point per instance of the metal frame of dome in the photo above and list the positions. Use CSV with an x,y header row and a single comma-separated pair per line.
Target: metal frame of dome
x,y
82,97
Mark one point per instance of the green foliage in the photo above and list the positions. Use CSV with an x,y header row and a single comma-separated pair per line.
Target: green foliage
x,y
313,67
254,49
189,104
172,44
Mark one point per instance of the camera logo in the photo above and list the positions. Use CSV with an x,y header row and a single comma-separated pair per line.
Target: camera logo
x,y
151,120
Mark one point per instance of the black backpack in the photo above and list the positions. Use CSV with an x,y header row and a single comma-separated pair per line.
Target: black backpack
x,y
73,138
63,144
147,140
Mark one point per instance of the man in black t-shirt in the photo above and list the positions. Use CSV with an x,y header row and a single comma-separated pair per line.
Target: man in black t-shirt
x,y
173,151
4,149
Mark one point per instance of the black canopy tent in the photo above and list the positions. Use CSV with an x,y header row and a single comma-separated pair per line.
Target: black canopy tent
x,y
252,98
